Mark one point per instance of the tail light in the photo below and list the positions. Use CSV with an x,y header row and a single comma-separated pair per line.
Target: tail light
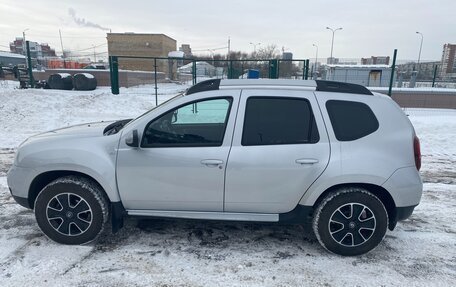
x,y
417,152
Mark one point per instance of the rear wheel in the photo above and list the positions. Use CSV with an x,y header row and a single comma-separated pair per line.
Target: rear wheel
x,y
71,210
350,221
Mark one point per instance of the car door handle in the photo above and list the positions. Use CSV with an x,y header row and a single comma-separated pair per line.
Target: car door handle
x,y
307,161
212,162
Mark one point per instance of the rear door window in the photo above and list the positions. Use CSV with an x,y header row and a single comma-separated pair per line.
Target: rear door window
x,y
273,121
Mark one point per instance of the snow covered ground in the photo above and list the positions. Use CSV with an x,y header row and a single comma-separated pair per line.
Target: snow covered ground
x,y
419,252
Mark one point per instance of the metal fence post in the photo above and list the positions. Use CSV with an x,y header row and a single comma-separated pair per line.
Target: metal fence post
x,y
155,79
242,70
273,69
29,65
230,71
307,70
304,70
110,67
194,72
435,75
115,75
393,67
278,69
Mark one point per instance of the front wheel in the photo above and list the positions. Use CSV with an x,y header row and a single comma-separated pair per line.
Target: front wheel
x,y
71,210
350,221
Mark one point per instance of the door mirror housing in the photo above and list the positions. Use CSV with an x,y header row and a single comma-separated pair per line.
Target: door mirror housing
x,y
132,139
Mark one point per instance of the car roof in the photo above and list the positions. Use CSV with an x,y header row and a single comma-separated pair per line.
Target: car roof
x,y
317,85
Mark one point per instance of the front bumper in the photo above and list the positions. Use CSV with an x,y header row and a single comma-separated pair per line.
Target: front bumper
x,y
21,200
19,180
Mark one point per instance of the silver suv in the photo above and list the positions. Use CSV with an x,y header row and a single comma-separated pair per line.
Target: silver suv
x,y
331,156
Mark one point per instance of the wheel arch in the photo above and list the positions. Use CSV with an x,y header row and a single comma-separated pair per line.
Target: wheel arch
x,y
381,193
43,179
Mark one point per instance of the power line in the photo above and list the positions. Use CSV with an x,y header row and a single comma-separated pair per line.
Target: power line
x,y
212,49
86,55
51,36
85,49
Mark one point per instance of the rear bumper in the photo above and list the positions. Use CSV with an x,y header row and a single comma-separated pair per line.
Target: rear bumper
x,y
402,213
405,186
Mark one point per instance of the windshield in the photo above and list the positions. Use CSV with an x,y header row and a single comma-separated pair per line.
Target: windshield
x,y
164,103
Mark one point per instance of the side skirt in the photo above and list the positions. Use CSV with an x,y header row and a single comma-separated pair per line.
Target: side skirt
x,y
232,216
299,215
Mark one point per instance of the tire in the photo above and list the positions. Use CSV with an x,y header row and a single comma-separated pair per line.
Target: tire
x,y
350,221
71,210
82,83
56,82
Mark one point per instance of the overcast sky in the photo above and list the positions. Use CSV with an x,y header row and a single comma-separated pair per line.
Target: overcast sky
x,y
369,27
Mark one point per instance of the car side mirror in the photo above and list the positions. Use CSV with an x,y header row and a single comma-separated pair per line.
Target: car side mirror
x,y
132,139
174,118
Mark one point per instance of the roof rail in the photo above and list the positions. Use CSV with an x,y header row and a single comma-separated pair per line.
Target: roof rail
x,y
208,85
339,87
268,82
322,86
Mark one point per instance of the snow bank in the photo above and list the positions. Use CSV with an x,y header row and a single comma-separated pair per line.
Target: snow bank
x,y
28,112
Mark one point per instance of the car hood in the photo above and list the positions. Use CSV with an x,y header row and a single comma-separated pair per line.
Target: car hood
x,y
77,131
82,130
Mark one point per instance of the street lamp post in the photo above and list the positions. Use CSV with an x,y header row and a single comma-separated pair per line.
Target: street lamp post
x,y
23,39
254,46
421,46
415,73
212,55
24,46
316,60
332,40
316,53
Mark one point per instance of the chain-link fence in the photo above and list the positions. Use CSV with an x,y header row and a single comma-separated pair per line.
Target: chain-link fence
x,y
377,71
407,79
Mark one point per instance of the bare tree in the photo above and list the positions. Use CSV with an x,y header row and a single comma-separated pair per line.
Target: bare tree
x,y
267,52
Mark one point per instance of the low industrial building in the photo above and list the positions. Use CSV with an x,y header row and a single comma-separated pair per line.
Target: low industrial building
x,y
141,45
11,59
366,75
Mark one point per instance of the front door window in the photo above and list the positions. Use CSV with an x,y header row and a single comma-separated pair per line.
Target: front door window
x,y
200,123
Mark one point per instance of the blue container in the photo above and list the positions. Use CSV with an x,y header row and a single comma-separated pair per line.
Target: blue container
x,y
253,74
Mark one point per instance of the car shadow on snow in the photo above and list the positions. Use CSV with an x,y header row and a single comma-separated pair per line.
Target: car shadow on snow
x,y
213,240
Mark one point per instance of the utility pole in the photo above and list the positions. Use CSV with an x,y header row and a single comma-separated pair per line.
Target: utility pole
x,y
94,54
332,41
63,53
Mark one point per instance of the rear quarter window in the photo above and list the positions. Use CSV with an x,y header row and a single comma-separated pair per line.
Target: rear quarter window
x,y
351,120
